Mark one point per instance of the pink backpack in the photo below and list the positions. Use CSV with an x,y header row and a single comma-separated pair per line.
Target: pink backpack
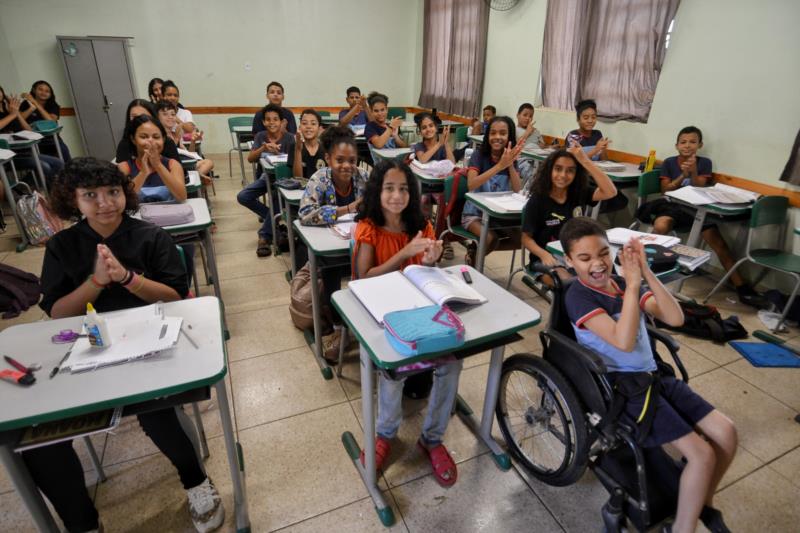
x,y
38,221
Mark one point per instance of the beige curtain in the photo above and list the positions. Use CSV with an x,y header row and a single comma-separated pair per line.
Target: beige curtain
x,y
454,52
608,50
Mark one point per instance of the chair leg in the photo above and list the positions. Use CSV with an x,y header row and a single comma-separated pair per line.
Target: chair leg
x,y
203,260
724,278
513,271
98,466
342,346
201,430
788,303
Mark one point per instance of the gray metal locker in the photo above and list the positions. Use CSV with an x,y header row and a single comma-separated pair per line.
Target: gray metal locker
x,y
100,77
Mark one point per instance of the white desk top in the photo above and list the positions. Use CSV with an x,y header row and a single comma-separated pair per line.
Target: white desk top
x,y
18,143
321,240
6,155
630,173
293,196
484,201
242,129
452,123
504,314
194,179
391,153
176,370
475,138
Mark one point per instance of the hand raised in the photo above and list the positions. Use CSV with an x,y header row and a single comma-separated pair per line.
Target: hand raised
x,y
433,252
416,246
509,156
603,143
396,123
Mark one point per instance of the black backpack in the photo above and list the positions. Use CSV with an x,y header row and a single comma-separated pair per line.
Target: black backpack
x,y
18,291
705,322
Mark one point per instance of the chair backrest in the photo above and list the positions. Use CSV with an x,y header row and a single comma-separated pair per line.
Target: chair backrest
x,y
44,125
4,144
283,171
239,121
649,183
182,255
396,112
324,113
769,210
461,134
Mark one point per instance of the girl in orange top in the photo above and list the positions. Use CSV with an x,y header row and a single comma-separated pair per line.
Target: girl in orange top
x,y
392,233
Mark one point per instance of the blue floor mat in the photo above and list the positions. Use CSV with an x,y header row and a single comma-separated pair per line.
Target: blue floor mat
x,y
766,354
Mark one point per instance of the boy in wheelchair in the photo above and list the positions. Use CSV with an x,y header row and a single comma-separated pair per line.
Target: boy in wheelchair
x,y
606,313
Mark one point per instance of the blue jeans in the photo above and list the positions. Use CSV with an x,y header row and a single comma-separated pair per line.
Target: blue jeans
x,y
249,197
50,165
440,404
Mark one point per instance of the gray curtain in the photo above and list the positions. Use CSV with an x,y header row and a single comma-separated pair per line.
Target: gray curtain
x,y
608,50
454,53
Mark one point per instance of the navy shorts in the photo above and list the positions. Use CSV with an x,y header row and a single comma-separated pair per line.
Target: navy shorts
x,y
678,410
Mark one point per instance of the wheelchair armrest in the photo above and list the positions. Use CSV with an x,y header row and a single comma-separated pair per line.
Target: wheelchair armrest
x,y
541,268
672,345
587,357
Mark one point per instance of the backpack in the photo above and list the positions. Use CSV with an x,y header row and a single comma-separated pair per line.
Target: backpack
x,y
705,322
453,209
38,221
300,308
18,290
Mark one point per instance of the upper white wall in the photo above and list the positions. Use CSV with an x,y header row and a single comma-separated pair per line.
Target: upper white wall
x,y
731,69
315,48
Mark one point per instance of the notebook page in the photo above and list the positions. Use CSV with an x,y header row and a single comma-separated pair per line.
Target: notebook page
x,y
442,286
387,293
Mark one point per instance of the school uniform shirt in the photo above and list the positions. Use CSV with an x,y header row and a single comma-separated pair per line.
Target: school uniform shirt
x,y
311,163
497,183
372,129
387,243
12,127
544,217
440,155
671,168
184,115
534,140
587,142
170,150
51,107
584,302
320,198
286,114
153,188
286,142
359,120
138,245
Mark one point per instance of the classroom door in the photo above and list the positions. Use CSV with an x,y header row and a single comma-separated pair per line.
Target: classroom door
x,y
101,82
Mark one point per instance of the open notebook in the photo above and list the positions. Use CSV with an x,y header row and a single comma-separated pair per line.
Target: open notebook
x,y
719,193
416,286
135,334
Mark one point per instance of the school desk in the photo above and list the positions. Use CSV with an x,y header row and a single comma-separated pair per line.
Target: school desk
x,y
476,140
731,211
665,276
195,183
170,377
489,326
54,133
6,157
488,212
290,202
243,134
269,173
391,153
33,145
321,241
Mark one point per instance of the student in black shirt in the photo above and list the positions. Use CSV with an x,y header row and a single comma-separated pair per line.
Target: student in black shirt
x,y
115,262
559,192
308,156
275,95
135,108
40,104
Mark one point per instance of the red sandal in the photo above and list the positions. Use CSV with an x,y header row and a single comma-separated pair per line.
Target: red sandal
x,y
382,449
444,469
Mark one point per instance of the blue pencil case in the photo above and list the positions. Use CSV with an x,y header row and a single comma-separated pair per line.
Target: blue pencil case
x,y
423,330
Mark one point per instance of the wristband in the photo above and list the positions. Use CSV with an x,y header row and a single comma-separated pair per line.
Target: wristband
x,y
139,285
129,281
95,284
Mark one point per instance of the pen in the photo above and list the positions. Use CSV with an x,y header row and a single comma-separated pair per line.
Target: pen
x,y
58,366
196,347
16,364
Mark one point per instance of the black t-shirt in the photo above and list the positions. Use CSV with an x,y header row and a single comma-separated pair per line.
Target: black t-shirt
x,y
12,127
51,107
544,217
139,246
170,151
311,163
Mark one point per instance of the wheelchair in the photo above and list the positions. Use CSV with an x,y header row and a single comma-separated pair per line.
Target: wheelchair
x,y
555,413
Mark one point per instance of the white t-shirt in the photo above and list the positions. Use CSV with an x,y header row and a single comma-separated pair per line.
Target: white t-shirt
x,y
184,115
532,141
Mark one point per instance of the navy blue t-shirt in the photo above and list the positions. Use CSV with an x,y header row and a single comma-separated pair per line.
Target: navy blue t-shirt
x,y
372,129
671,168
440,155
291,124
587,142
359,120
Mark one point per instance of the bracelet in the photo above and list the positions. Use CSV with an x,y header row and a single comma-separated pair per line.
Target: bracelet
x,y
139,286
95,284
127,279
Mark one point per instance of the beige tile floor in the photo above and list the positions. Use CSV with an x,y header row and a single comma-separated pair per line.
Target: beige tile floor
x,y
290,421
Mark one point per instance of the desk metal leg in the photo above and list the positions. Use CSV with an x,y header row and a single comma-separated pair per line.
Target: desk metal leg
x,y
27,490
39,169
697,226
241,158
484,430
287,208
10,197
327,372
212,266
367,471
57,140
272,208
235,459
482,242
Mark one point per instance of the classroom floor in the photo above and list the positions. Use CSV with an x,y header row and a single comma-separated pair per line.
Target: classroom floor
x,y
290,423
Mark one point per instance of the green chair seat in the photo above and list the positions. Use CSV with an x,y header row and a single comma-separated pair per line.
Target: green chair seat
x,y
461,231
776,259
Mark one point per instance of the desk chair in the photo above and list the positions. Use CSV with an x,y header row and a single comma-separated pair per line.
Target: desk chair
x,y
455,190
237,147
324,113
396,112
461,135
768,211
44,125
649,183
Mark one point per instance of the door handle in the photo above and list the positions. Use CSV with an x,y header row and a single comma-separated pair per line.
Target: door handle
x,y
106,104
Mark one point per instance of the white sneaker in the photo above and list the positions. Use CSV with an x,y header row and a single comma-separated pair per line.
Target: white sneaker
x,y
205,506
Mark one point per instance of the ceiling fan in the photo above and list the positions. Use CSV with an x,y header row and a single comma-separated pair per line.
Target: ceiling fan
x,y
501,5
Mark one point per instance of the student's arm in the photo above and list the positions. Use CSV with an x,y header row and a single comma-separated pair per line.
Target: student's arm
x,y
351,114
34,104
365,260
448,150
297,155
541,253
605,187
662,305
255,153
14,113
379,141
171,175
475,180
622,333
425,156
702,175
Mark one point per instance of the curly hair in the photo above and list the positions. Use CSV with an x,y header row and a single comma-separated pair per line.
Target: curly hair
x,y
371,209
543,181
486,148
336,135
88,173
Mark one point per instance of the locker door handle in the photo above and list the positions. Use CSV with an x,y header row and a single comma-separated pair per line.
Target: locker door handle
x,y
106,104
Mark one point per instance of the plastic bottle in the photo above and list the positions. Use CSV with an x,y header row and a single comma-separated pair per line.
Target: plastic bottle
x,y
651,161
96,328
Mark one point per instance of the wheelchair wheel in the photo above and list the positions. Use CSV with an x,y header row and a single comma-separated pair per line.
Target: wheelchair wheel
x,y
542,421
